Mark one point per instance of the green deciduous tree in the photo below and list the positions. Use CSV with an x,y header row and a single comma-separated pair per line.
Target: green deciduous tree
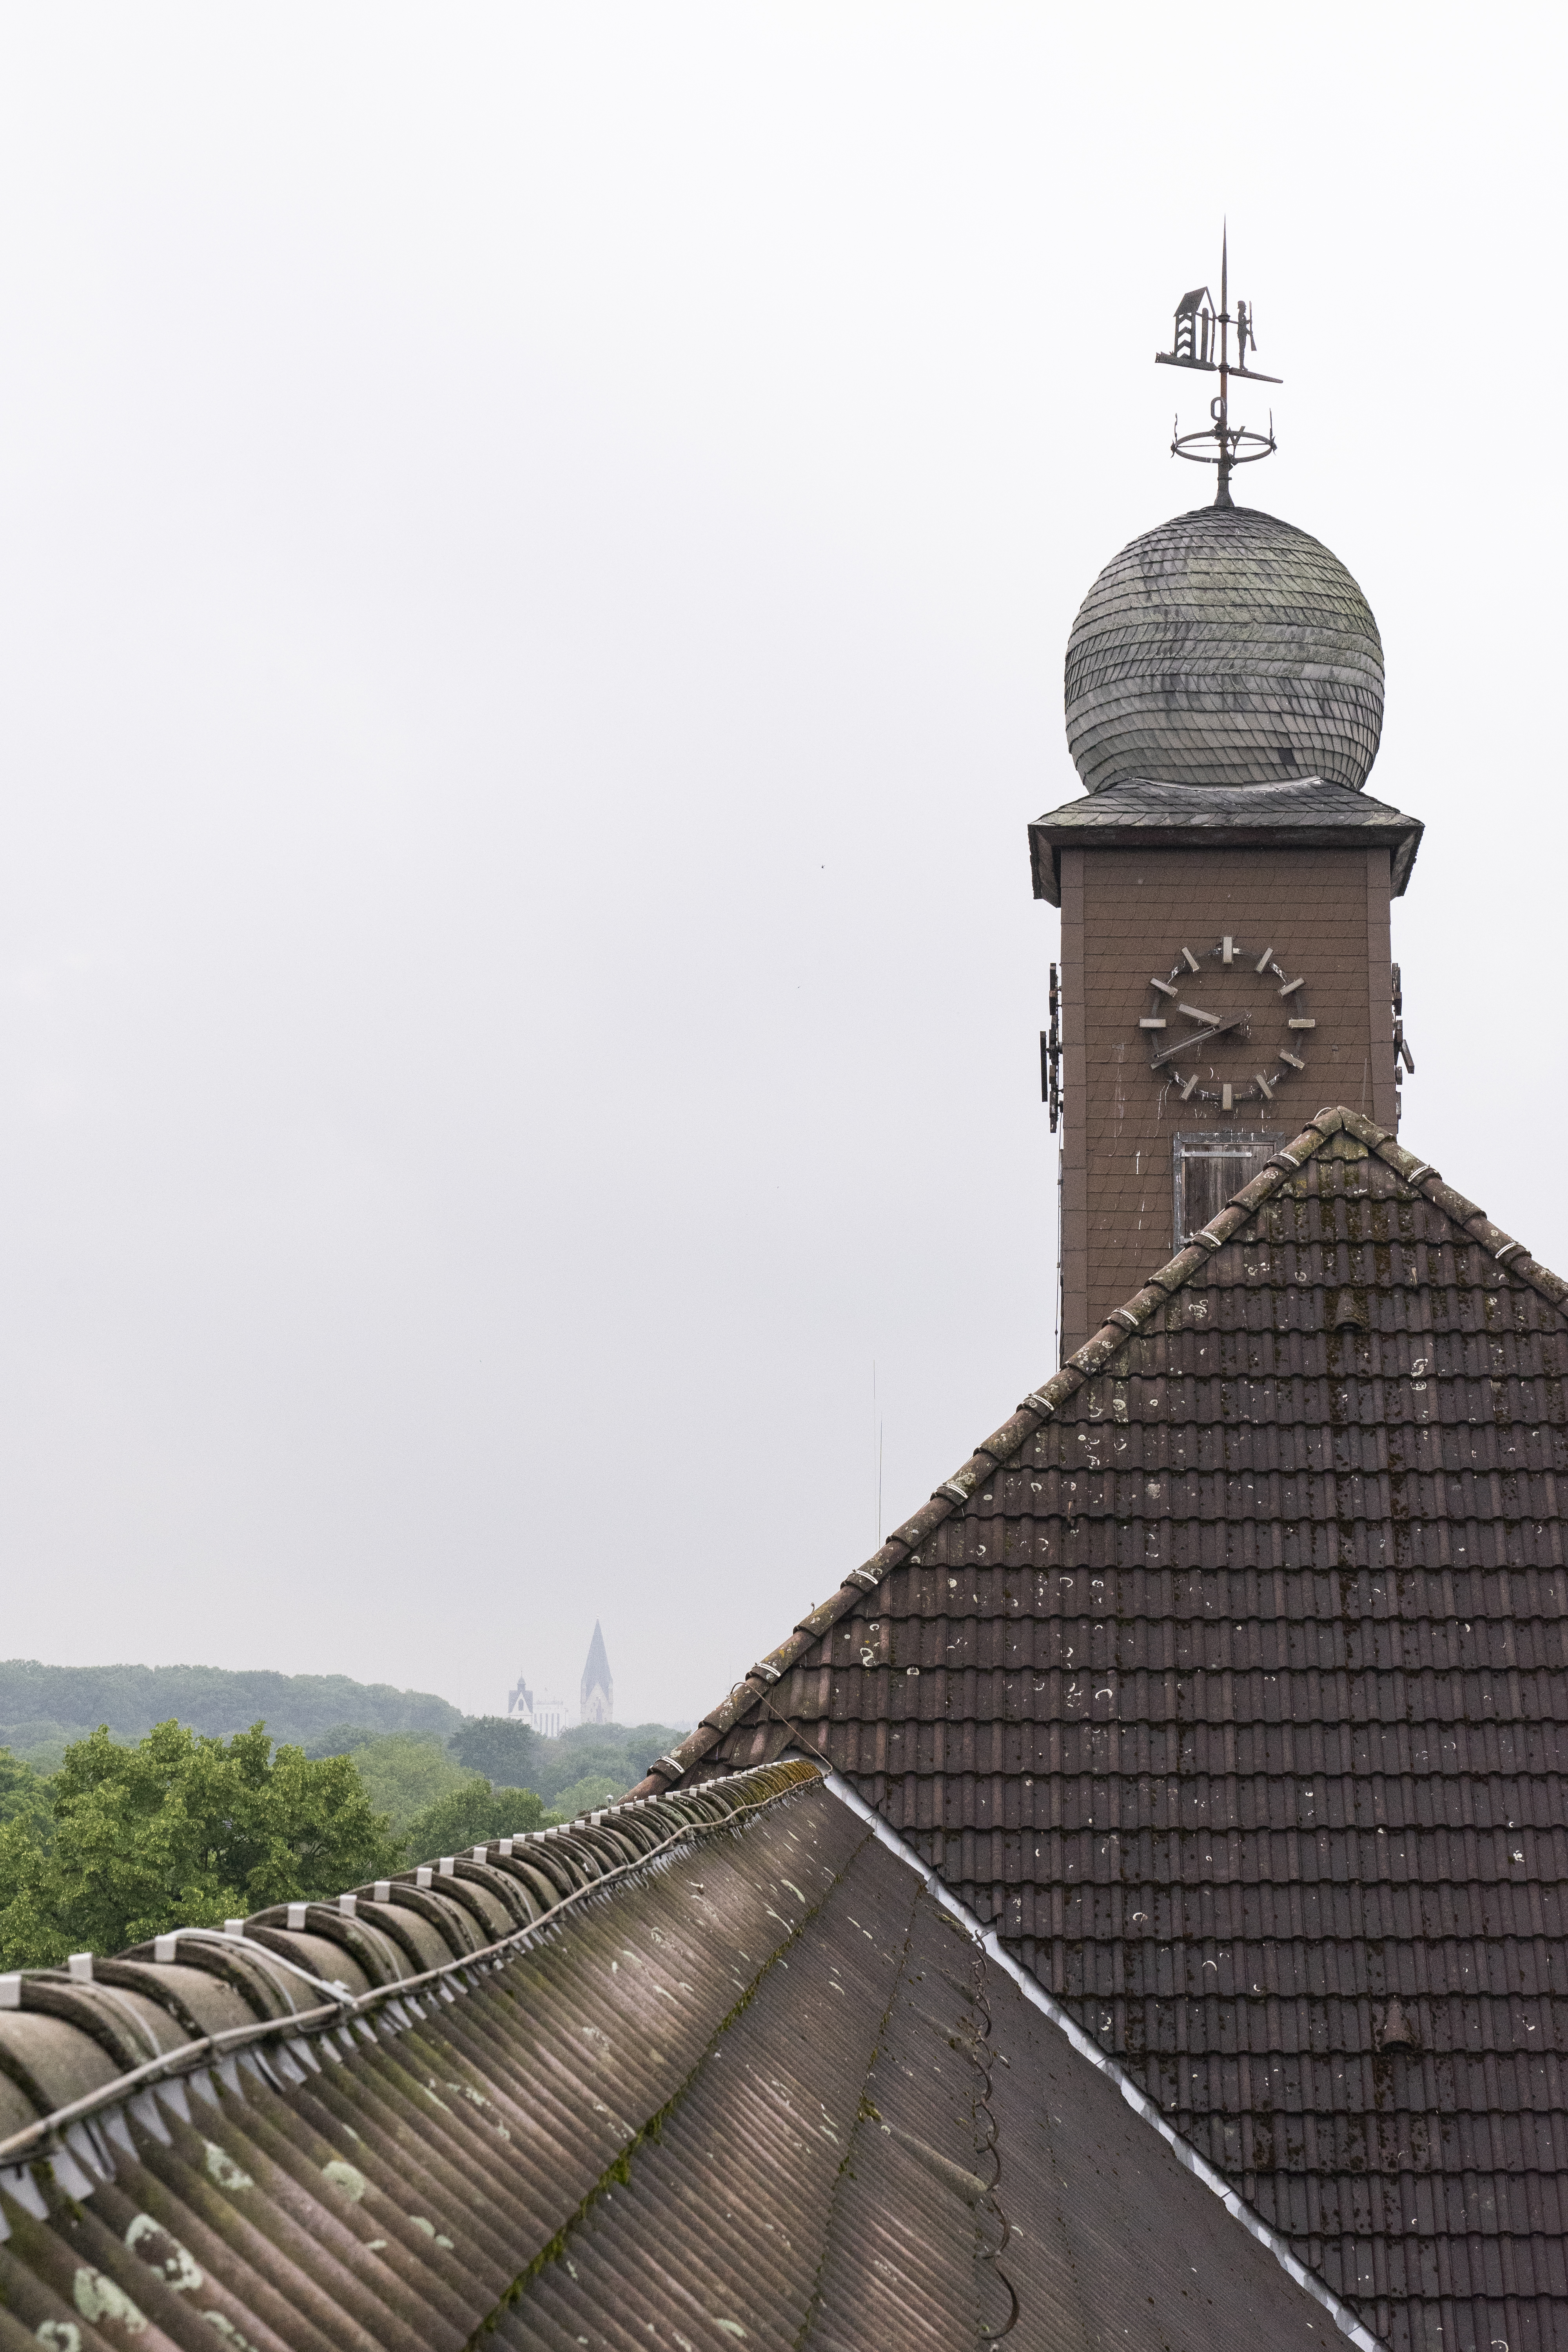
x,y
472,1815
23,1793
403,1775
611,1752
498,1746
180,1830
594,1788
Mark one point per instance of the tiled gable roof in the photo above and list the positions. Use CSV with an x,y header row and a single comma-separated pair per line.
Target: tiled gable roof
x,y
1226,1680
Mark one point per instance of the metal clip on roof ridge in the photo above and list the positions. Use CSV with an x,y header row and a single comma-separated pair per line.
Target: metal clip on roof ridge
x,y
166,1948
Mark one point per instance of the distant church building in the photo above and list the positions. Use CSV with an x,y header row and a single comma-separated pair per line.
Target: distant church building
x,y
546,1716
598,1694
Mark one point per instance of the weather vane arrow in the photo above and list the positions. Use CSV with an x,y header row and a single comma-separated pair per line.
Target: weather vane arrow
x,y
1220,443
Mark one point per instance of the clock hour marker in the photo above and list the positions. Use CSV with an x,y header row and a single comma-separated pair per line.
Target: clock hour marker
x,y
1163,986
1227,950
1192,1082
1301,1024
1268,1089
1292,985
1294,1059
1197,1013
1262,963
1227,1097
1191,962
1149,1024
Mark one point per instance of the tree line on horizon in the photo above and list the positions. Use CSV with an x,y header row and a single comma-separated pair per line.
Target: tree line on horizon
x,y
130,1838
44,1709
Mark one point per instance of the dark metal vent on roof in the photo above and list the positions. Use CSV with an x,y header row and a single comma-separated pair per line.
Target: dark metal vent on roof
x,y
1397,2031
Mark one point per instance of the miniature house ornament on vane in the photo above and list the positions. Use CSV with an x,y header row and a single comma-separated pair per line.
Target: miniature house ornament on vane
x,y
1220,444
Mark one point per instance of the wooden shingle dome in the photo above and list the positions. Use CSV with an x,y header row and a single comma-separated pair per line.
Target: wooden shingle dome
x,y
1225,648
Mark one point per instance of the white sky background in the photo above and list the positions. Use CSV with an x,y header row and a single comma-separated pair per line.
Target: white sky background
x,y
536,547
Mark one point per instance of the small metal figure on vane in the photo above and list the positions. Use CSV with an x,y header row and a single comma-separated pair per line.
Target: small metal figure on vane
x,y
1221,443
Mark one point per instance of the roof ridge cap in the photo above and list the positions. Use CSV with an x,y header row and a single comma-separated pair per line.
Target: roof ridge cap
x,y
1473,1222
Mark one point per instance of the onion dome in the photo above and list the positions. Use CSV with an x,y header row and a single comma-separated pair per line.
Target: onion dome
x,y
1225,647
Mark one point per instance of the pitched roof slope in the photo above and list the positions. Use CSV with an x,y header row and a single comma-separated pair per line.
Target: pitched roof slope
x,y
1227,1681
758,2087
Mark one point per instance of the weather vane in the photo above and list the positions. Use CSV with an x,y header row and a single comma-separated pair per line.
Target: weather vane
x,y
1221,443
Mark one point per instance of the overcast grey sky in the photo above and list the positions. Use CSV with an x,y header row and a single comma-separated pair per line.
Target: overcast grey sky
x,y
536,545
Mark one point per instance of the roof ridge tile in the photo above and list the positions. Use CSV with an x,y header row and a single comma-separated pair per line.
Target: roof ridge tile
x,y
1421,1176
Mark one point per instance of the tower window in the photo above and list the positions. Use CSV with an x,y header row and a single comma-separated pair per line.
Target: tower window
x,y
1209,1167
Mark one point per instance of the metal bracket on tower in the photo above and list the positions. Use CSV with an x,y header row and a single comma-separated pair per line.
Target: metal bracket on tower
x,y
1402,1052
1051,1056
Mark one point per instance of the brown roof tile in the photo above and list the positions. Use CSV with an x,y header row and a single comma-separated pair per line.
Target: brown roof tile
x,y
1228,1680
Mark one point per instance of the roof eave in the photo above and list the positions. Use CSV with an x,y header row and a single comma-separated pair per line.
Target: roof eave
x,y
1196,816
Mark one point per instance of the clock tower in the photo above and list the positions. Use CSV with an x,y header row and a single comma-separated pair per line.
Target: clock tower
x,y
1225,887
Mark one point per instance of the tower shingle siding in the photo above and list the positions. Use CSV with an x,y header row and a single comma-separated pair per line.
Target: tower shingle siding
x,y
1125,913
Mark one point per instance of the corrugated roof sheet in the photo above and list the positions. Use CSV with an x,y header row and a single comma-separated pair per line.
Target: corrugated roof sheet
x,y
1229,1681
760,2086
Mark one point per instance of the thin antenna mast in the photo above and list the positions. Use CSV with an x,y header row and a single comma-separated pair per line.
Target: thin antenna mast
x,y
1222,496
1193,346
877,1448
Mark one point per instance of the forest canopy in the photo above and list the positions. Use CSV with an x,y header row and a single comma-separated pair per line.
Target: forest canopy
x,y
584,1766
43,1708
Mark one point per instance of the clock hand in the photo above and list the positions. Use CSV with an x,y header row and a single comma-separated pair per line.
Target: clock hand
x,y
1191,1044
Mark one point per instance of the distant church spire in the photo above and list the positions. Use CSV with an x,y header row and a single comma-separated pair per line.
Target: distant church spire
x,y
598,1692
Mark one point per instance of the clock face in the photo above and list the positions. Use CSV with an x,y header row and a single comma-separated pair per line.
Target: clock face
x,y
1226,1026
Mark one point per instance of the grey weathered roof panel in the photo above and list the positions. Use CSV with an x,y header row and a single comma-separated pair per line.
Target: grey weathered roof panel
x,y
762,2088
